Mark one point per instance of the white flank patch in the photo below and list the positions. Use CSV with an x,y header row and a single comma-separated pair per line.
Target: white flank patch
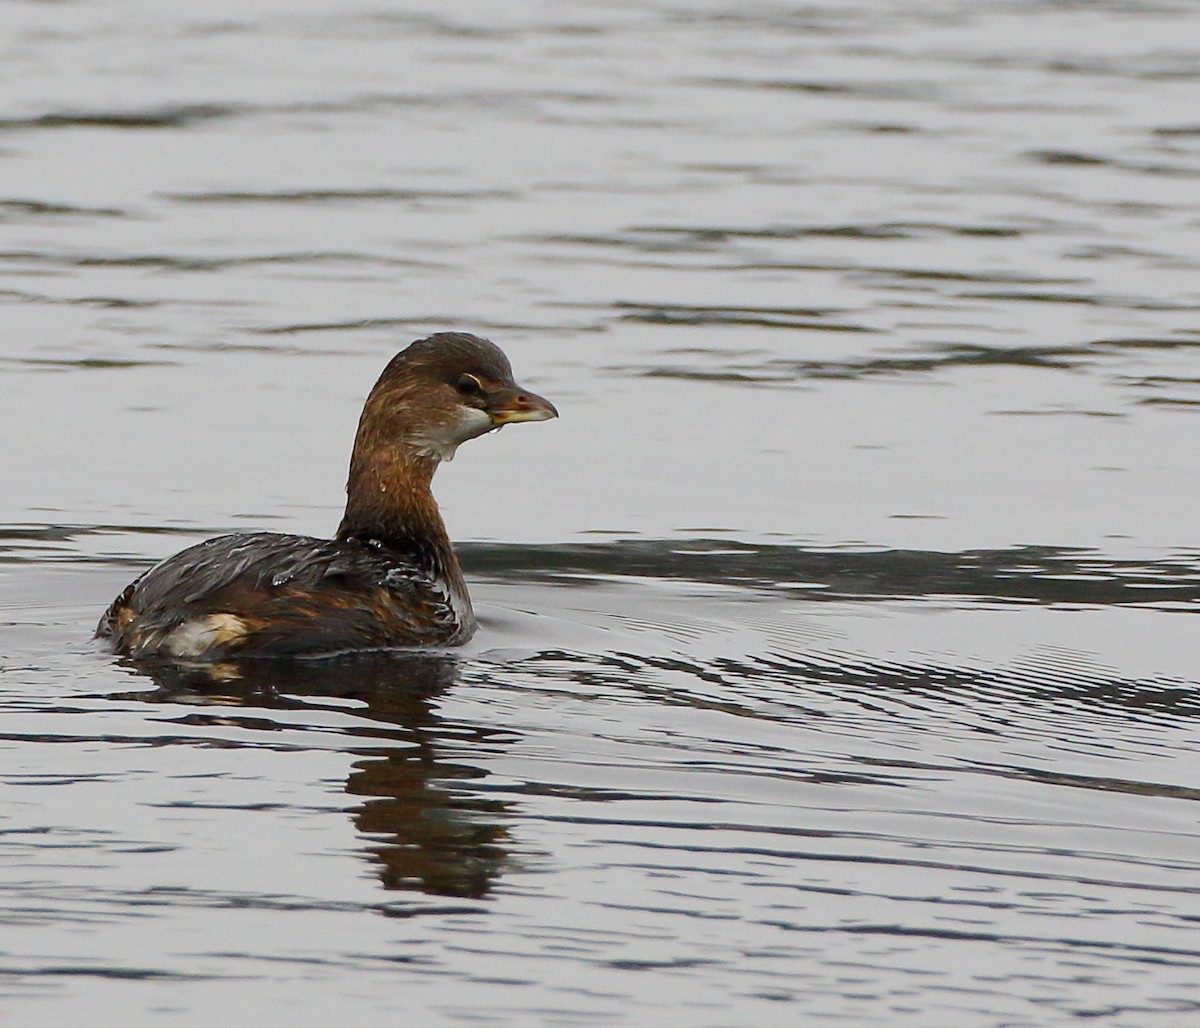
x,y
195,638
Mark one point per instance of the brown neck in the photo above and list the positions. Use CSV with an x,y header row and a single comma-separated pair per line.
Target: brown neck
x,y
388,499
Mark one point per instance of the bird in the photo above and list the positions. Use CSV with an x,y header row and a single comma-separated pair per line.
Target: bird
x,y
388,578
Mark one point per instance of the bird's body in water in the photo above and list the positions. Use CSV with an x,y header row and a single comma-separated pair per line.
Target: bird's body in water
x,y
388,578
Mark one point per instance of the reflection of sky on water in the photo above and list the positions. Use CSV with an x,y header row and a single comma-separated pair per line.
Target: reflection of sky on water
x,y
835,661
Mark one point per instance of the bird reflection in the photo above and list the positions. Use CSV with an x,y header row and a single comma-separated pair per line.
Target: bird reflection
x,y
428,835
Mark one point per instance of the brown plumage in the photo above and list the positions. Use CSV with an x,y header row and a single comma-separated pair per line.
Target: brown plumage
x,y
388,578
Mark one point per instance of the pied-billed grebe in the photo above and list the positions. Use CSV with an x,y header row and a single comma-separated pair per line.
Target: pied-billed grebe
x,y
389,577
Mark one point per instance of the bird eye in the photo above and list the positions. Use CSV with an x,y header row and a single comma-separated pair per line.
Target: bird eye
x,y
469,385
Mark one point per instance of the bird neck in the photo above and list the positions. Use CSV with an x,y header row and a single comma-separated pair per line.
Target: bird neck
x,y
389,500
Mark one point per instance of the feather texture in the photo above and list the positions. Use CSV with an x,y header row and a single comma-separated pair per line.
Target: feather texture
x,y
290,595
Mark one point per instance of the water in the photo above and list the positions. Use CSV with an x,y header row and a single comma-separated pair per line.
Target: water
x,y
836,663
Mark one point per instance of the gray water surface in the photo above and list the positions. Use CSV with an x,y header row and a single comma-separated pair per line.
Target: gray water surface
x,y
835,663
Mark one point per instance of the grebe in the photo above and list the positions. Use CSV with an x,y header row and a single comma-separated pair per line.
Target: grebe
x,y
388,578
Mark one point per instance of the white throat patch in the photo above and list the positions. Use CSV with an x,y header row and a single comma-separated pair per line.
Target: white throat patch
x,y
443,441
